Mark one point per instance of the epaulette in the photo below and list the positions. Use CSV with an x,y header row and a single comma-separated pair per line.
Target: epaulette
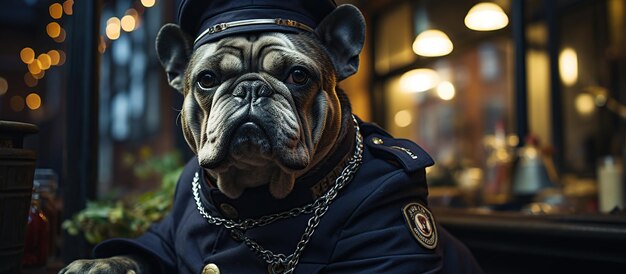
x,y
405,152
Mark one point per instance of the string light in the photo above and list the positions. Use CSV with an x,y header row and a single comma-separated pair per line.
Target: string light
x,y
54,57
39,75
45,61
4,86
68,7
128,23
61,57
53,29
61,37
113,28
29,80
56,10
27,55
33,101
34,67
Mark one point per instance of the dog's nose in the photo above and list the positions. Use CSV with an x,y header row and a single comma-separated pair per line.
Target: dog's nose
x,y
254,88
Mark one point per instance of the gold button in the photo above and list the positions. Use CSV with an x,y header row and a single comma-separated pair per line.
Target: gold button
x,y
211,269
377,141
229,211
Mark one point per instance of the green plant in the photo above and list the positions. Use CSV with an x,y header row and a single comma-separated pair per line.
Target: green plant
x,y
130,217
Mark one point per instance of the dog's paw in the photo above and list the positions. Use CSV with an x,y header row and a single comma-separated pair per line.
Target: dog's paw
x,y
113,265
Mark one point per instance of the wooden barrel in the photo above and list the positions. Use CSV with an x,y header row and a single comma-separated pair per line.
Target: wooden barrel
x,y
17,167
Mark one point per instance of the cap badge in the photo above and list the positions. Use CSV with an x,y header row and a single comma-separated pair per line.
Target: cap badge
x,y
421,224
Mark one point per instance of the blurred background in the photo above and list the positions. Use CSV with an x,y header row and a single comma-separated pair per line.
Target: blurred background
x,y
520,103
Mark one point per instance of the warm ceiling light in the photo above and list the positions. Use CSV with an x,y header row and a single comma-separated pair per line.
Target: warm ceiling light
x,y
128,23
485,17
54,57
56,10
68,7
4,86
445,90
148,3
53,29
33,101
568,66
432,43
27,55
419,80
113,28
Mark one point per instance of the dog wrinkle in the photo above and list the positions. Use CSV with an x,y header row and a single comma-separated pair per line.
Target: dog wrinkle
x,y
281,183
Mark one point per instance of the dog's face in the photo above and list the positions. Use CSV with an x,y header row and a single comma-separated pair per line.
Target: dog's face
x,y
262,108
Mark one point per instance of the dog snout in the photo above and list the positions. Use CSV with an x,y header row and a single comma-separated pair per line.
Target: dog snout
x,y
252,89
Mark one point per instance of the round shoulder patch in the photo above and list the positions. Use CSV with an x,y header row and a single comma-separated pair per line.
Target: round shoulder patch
x,y
421,224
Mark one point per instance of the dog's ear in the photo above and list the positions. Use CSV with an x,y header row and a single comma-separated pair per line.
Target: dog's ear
x,y
173,47
343,34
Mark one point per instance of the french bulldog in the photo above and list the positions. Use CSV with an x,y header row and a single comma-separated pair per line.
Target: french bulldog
x,y
259,108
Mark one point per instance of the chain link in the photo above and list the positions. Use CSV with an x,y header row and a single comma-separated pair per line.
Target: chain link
x,y
280,263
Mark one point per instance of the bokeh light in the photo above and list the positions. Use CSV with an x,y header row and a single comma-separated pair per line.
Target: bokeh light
x,y
419,80
33,101
446,90
34,67
29,80
17,103
68,6
39,75
4,86
128,23
45,61
53,29
61,37
102,45
61,57
403,118
56,10
113,28
27,55
54,57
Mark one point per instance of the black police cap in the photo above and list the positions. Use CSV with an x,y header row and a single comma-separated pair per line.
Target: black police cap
x,y
209,20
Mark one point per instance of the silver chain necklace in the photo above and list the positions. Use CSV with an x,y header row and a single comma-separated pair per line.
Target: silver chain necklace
x,y
280,263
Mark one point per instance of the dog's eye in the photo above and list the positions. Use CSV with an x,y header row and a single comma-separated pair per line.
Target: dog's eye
x,y
298,76
207,80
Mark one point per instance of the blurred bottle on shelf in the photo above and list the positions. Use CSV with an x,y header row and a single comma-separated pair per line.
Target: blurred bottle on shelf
x,y
531,175
37,234
46,184
610,184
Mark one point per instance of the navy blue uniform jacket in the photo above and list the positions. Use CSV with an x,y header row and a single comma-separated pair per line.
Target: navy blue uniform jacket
x,y
364,230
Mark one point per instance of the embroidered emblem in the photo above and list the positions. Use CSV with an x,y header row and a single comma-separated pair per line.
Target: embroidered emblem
x,y
421,224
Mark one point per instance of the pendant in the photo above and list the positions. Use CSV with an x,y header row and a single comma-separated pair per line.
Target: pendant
x,y
276,268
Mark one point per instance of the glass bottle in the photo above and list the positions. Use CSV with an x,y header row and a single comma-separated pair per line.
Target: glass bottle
x,y
37,235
